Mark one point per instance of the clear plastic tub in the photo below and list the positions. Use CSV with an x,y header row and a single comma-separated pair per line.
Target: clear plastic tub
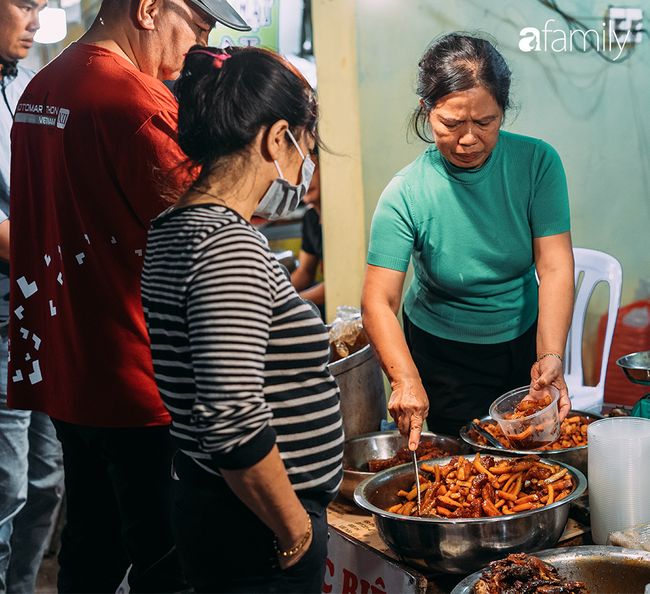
x,y
531,432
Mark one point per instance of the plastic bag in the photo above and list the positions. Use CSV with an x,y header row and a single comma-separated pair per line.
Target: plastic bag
x,y
635,537
346,333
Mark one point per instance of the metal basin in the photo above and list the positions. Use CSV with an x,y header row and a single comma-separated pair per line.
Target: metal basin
x,y
460,545
636,367
363,396
576,457
382,445
604,570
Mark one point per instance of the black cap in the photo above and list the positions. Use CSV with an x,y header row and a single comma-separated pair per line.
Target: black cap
x,y
224,13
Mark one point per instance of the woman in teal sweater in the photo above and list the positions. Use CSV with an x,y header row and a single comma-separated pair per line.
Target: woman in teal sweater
x,y
479,212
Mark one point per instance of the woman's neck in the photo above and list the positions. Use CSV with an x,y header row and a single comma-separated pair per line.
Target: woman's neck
x,y
236,194
239,182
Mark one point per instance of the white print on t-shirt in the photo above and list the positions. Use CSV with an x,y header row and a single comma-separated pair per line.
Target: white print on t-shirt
x,y
42,115
28,289
35,376
31,368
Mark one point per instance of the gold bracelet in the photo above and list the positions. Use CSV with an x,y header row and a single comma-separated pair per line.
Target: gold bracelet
x,y
549,355
298,547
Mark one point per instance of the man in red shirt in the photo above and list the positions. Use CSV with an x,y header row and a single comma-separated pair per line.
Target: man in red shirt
x,y
94,159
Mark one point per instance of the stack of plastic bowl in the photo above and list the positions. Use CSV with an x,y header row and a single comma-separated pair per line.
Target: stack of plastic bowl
x,y
619,475
533,431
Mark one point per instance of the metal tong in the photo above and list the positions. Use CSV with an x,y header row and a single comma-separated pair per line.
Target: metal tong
x,y
493,441
417,481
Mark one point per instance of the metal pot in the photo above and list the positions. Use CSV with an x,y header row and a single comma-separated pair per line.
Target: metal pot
x,y
363,397
576,457
605,570
460,545
382,445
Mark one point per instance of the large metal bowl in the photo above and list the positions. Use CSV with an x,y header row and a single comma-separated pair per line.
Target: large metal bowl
x,y
576,457
604,570
636,367
460,545
383,445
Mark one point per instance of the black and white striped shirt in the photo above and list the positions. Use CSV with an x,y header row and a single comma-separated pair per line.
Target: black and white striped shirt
x,y
239,358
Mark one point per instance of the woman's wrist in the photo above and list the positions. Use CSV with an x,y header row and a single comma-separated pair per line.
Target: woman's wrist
x,y
549,354
287,549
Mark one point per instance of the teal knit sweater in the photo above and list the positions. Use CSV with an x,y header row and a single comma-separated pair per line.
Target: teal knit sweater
x,y
470,234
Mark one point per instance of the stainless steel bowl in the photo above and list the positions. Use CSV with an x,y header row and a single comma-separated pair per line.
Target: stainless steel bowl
x,y
460,545
605,570
382,445
636,367
576,457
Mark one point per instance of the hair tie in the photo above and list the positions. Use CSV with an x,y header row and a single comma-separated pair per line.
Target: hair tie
x,y
218,58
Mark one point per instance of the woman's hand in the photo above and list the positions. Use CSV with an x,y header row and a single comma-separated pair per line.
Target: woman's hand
x,y
380,301
555,268
547,371
288,561
409,406
266,490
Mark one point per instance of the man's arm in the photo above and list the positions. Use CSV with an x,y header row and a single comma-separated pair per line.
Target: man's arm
x,y
4,240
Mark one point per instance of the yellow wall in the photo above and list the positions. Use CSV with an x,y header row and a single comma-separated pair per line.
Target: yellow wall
x,y
344,247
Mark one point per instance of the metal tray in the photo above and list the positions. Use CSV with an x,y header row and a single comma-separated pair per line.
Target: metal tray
x,y
604,570
576,457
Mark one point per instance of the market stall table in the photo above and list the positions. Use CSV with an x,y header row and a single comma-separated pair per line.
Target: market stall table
x,y
359,562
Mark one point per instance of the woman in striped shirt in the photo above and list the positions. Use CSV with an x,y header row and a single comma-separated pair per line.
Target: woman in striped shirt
x,y
240,360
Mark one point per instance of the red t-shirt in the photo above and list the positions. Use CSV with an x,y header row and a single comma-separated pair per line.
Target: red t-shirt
x,y
94,146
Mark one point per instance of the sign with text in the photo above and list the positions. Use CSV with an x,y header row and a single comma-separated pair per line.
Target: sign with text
x,y
355,568
261,15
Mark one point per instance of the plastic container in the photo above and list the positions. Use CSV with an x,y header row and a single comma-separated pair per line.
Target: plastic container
x,y
619,475
528,433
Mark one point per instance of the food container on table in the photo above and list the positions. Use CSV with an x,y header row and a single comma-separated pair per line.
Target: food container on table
x,y
382,445
603,570
534,431
466,544
576,457
363,396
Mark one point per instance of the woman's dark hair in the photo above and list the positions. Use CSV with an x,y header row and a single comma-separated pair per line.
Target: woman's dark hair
x,y
223,103
458,62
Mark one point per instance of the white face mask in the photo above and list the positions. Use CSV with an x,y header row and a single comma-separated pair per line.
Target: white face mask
x,y
282,198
